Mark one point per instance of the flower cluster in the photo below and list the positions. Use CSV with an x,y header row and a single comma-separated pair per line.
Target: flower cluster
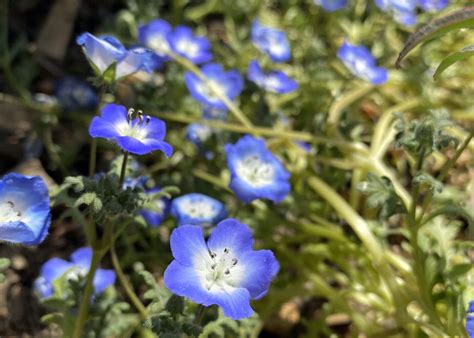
x,y
197,209
107,54
225,271
361,63
72,270
255,171
138,135
25,214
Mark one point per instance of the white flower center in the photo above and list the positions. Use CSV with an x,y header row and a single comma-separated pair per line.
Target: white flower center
x,y
188,47
209,89
271,82
75,273
255,172
220,271
199,208
361,68
137,131
9,212
159,44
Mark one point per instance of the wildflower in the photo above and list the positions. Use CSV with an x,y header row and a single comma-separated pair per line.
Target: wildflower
x,y
103,52
77,268
225,271
433,5
198,133
274,81
331,5
361,63
25,214
140,135
74,94
403,11
271,41
195,49
154,35
255,171
217,80
155,210
197,209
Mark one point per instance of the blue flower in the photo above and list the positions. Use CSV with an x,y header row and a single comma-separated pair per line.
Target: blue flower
x,y
25,214
198,133
74,94
197,209
228,84
134,182
433,5
403,11
274,81
139,135
361,63
156,210
225,271
271,41
331,5
470,320
154,35
255,171
76,268
103,51
195,49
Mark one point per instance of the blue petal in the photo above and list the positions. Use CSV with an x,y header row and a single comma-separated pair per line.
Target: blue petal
x,y
258,268
184,281
155,35
470,326
103,278
112,115
55,268
331,5
378,75
233,235
82,257
99,51
234,302
43,287
179,210
471,307
153,218
183,38
433,5
187,245
134,60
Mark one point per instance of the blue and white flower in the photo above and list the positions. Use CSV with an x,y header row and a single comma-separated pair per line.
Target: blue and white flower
x,y
361,63
74,94
274,81
198,133
197,209
402,11
331,5
140,135
196,49
25,213
104,51
255,171
225,271
271,41
156,209
433,5
217,83
155,35
470,320
77,267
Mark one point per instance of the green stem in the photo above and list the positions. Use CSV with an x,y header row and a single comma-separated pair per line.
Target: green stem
x,y
229,104
124,168
86,298
93,153
339,105
126,285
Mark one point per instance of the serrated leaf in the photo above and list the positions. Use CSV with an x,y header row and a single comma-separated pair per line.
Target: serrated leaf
x,y
463,18
465,53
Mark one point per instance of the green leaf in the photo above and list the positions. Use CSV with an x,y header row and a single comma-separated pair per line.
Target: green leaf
x,y
52,318
464,53
109,74
459,270
463,18
4,263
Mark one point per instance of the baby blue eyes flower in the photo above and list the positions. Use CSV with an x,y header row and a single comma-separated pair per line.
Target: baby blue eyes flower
x,y
103,51
156,210
403,11
228,84
195,49
225,271
433,5
197,209
140,135
74,94
198,133
361,63
271,41
255,171
76,268
154,35
25,214
331,5
274,81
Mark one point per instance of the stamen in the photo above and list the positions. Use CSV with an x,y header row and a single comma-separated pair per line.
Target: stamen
x,y
234,261
227,271
130,114
226,250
